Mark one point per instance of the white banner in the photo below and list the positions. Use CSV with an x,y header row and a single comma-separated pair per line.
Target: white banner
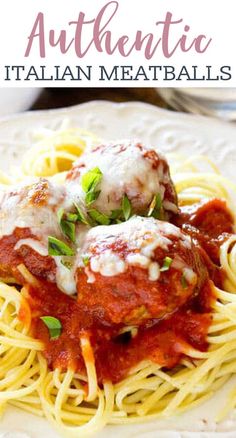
x,y
100,43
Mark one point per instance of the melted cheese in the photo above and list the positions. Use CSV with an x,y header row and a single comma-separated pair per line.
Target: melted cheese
x,y
34,244
65,278
126,170
154,271
190,275
108,264
90,275
137,259
18,210
141,237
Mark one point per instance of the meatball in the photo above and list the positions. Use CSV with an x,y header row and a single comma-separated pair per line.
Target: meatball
x,y
131,169
137,271
28,215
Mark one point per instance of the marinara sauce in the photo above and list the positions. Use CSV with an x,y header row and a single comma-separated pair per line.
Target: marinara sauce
x,y
163,341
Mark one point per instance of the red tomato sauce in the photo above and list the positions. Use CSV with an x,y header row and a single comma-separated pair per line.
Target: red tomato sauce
x,y
162,341
209,223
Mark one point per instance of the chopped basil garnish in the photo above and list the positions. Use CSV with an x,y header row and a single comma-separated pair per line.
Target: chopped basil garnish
x,y
91,196
68,229
89,182
80,215
67,264
166,264
98,217
155,208
72,217
53,325
184,282
57,248
60,214
91,179
116,214
126,207
85,260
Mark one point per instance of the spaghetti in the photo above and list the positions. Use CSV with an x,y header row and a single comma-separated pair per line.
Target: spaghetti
x,y
76,400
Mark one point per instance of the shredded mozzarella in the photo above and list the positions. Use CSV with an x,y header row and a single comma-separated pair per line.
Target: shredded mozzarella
x,y
34,244
108,264
65,278
154,271
190,275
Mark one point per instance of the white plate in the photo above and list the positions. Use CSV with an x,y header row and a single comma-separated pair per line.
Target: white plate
x,y
170,132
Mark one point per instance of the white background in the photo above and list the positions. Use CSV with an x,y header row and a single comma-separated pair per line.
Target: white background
x,y
213,18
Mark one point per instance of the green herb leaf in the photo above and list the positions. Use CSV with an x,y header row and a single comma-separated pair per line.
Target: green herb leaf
x,y
116,214
184,283
67,264
126,207
91,196
85,260
72,217
91,179
89,182
68,229
80,215
98,217
166,264
60,214
155,207
53,325
57,248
